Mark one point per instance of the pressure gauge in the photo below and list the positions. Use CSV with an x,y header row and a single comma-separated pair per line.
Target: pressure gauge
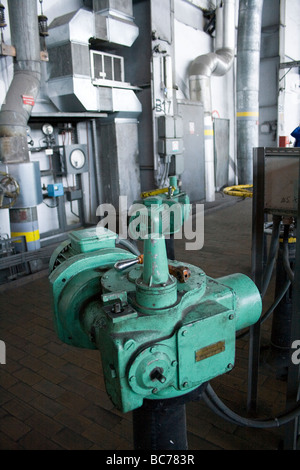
x,y
47,129
77,159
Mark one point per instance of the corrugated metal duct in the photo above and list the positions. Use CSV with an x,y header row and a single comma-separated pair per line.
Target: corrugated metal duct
x,y
216,63
248,62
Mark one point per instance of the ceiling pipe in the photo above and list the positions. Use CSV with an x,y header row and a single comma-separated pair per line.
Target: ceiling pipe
x,y
216,63
25,85
247,89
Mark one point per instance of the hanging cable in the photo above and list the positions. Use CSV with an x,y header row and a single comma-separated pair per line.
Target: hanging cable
x,y
272,254
285,253
269,270
214,402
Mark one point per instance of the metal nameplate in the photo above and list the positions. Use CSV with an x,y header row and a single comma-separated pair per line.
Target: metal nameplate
x,y
209,351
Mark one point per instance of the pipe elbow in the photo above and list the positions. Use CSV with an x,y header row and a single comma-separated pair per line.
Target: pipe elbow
x,y
224,61
203,65
214,63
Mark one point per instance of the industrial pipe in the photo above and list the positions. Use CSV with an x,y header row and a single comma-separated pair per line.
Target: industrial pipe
x,y
24,88
160,425
14,116
216,63
247,89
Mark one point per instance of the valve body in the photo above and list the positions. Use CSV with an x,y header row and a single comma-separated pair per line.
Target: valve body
x,y
158,337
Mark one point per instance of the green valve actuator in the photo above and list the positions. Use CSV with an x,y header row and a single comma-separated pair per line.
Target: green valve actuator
x,y
160,334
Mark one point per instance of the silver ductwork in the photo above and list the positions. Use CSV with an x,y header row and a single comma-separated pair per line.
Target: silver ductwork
x,y
201,70
248,63
81,79
114,22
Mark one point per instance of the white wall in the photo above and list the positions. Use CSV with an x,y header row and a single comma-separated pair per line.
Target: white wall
x,y
190,42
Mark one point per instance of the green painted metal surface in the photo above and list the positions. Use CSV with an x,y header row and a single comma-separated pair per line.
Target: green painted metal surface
x,y
158,337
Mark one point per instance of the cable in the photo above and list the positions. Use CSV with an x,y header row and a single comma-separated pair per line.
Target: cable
x,y
51,206
269,269
272,254
214,402
285,253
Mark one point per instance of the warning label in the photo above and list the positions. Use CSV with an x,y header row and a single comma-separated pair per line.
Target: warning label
x,y
27,99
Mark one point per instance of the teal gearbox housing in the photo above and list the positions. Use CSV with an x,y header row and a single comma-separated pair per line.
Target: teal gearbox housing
x,y
162,327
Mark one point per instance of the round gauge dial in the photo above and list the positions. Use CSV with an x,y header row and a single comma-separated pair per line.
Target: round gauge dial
x,y
47,129
77,159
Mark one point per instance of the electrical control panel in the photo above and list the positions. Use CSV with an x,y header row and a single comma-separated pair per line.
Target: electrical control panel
x,y
281,173
170,135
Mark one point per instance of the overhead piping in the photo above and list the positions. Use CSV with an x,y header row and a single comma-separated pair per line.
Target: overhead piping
x,y
216,63
248,62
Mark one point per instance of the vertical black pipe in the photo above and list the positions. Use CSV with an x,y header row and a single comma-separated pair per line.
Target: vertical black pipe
x,y
257,256
160,425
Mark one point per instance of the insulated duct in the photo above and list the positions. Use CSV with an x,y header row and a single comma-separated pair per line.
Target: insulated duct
x,y
216,63
82,76
25,85
14,116
114,21
248,62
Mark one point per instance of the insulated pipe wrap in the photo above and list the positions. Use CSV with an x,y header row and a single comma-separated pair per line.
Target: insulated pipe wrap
x,y
248,62
15,110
